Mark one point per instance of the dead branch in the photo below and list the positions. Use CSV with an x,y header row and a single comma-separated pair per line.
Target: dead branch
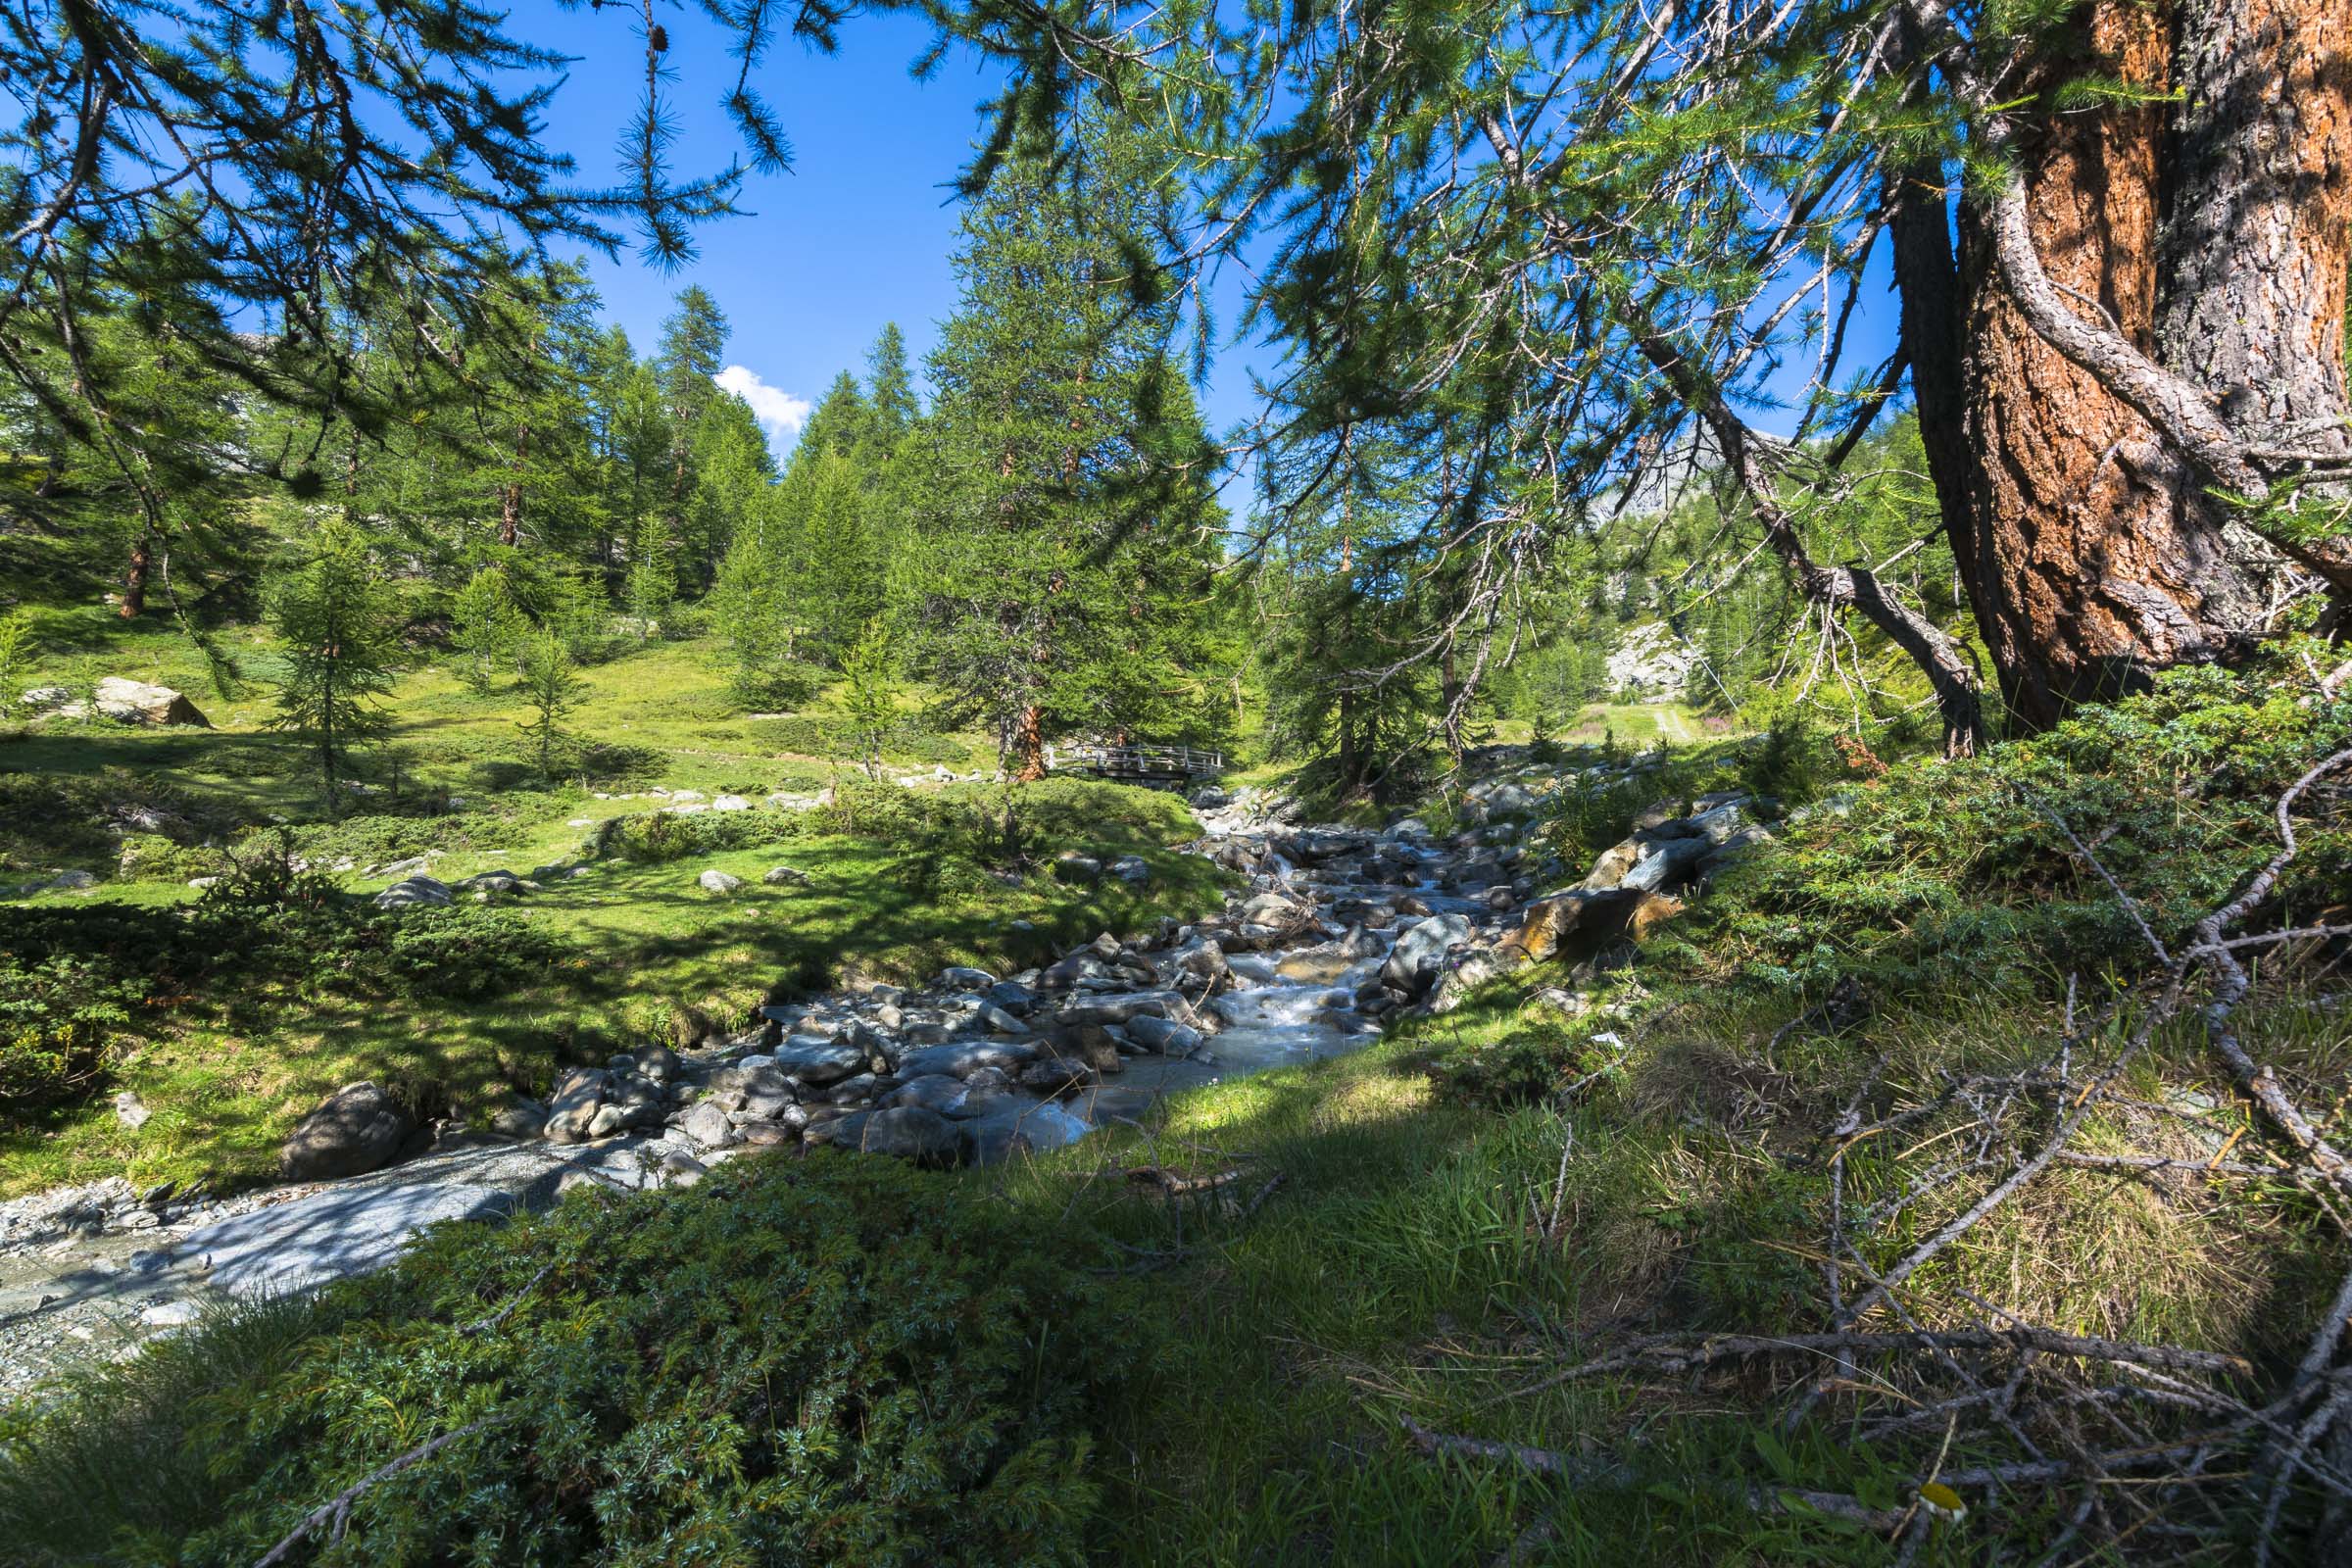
x,y
336,1510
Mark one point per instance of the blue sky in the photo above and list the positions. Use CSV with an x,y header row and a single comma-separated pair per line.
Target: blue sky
x,y
857,235
859,232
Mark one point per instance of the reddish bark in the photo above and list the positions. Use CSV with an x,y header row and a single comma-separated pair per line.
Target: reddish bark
x,y
1029,745
134,581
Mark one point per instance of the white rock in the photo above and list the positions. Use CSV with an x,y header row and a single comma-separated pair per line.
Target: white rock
x,y
715,881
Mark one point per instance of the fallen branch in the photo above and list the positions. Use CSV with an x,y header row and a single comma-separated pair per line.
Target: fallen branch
x,y
337,1508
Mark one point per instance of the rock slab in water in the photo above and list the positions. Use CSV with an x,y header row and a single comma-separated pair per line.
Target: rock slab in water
x,y
354,1130
1419,954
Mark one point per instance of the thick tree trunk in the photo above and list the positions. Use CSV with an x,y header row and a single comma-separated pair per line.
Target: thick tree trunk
x,y
1029,745
134,581
2212,236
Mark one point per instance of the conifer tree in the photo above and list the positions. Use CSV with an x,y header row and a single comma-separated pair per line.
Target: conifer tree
x,y
332,617
1062,529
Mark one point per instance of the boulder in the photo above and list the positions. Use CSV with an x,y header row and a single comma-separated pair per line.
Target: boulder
x,y
572,1110
707,1125
1666,863
903,1132
1419,954
720,882
933,1090
357,1129
1119,1007
519,1118
1132,869
130,1111
131,701
70,882
412,890
730,803
1164,1035
963,1059
780,876
1072,866
960,978
1577,923
819,1061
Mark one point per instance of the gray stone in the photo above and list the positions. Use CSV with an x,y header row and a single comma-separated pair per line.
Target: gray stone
x,y
578,1095
1132,869
707,1125
960,1058
905,1131
816,1060
1072,866
519,1118
131,701
780,876
169,1314
730,803
1118,1007
931,1092
356,1129
716,881
130,1110
1419,954
1164,1035
959,978
607,1122
412,890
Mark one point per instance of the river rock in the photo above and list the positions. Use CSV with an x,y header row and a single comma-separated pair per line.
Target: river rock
x,y
1420,952
707,1125
519,1117
962,1058
131,701
717,881
816,1060
1132,869
1665,864
933,1090
1164,1035
572,1110
905,1131
358,1128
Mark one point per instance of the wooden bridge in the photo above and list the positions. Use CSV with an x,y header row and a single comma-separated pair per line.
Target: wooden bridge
x,y
1170,767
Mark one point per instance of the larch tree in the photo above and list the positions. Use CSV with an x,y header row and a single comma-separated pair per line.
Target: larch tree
x,y
1591,237
1064,528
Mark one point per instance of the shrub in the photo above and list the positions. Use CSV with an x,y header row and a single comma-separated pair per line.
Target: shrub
x,y
466,952
836,1360
1935,864
656,838
152,858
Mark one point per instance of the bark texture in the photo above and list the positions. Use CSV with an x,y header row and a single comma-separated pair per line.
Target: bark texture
x,y
2207,237
2096,559
134,581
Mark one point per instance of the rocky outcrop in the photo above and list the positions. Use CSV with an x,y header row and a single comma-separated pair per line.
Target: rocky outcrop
x,y
1652,664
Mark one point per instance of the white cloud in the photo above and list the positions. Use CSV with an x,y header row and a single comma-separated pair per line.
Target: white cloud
x,y
779,413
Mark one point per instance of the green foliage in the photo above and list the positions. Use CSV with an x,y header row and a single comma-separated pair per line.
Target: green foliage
x,y
837,1360
552,690
76,981
332,617
870,699
655,838
652,581
1940,864
487,627
16,656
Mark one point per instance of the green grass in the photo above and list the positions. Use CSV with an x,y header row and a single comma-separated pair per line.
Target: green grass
x,y
658,957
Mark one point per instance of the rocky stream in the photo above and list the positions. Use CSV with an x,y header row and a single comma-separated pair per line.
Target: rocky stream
x,y
1338,931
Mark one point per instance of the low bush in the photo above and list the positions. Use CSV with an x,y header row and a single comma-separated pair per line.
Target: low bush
x,y
656,838
811,735
835,1361
77,980
1935,864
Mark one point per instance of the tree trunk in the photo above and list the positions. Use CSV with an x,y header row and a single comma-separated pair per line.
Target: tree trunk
x,y
1029,745
134,581
2094,552
509,500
